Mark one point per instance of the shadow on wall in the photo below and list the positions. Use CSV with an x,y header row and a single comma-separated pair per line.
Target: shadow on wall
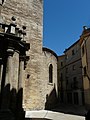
x,y
11,104
10,98
51,100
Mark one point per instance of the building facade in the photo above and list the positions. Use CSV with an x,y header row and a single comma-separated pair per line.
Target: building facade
x,y
41,84
50,77
40,78
85,55
30,14
70,75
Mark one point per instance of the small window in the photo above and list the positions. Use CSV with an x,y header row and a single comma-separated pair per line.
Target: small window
x,y
75,83
73,52
66,57
73,67
74,79
83,50
85,71
61,77
66,70
28,76
67,80
61,64
50,73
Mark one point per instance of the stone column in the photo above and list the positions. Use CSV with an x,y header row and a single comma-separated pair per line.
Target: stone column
x,y
14,86
15,70
20,110
21,73
20,81
1,72
8,79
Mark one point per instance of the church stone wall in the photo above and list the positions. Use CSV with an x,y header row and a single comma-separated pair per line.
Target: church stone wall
x,y
30,14
50,89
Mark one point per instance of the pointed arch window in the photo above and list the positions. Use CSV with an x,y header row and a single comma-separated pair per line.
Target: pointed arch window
x,y
50,73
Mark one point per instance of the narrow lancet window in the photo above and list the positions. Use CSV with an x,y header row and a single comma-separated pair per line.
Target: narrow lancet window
x,y
50,73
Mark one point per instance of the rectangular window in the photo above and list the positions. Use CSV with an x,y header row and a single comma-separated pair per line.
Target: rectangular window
x,y
73,67
85,71
50,73
69,98
61,63
74,79
76,98
66,80
66,57
75,83
73,52
83,50
61,76
66,70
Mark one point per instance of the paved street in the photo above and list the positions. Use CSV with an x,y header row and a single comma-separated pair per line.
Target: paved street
x,y
52,115
61,112
70,109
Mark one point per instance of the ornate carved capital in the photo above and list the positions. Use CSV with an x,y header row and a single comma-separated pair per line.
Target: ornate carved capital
x,y
10,52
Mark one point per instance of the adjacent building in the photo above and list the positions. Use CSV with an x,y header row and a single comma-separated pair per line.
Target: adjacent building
x,y
70,75
74,72
85,57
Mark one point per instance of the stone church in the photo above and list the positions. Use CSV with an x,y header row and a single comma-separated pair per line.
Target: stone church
x,y
28,71
32,77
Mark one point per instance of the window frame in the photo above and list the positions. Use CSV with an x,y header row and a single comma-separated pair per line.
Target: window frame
x,y
50,73
73,52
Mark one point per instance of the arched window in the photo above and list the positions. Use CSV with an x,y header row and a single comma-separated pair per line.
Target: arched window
x,y
50,73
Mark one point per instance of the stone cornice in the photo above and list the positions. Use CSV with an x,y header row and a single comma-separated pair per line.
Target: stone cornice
x,y
14,42
86,33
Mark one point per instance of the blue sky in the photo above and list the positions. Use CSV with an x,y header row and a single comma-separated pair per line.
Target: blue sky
x,y
63,22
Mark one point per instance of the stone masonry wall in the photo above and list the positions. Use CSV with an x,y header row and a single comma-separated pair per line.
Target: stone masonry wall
x,y
30,14
50,89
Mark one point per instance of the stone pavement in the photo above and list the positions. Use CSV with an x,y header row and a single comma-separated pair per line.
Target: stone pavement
x,y
45,114
60,112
